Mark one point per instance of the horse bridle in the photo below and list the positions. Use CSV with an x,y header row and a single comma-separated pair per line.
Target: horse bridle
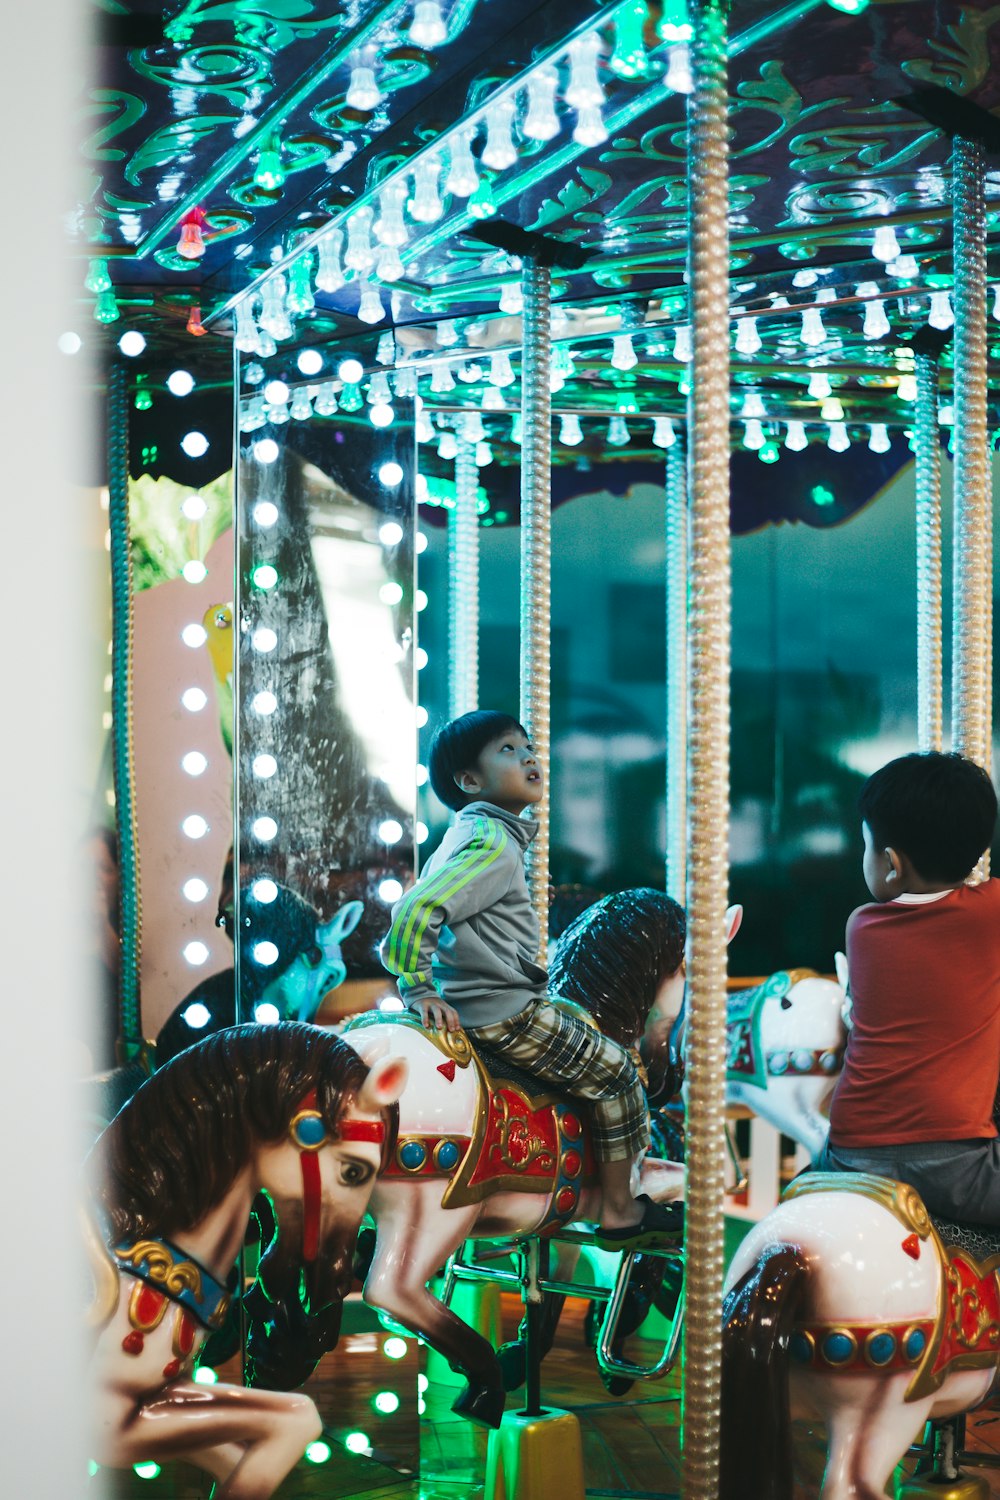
x,y
309,1133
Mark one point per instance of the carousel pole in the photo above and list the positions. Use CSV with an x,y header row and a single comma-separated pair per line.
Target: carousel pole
x,y
536,558
972,621
928,477
676,568
708,792
463,584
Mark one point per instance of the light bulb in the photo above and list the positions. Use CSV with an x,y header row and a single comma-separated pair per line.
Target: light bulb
x,y
511,298
663,433
385,350
195,444
682,343
194,635
194,508
194,700
795,436
273,313
541,122
628,59
424,431
194,763
447,445
753,435
194,827
484,455
753,405
462,178
589,129
405,383
748,340
427,29
264,829
194,890
370,309
499,151
584,87
904,268
350,371
194,571
425,205
941,315
180,383
362,91
329,275
876,322
493,399
301,404
269,174
618,433
264,766
838,441
570,431
359,255
265,512
310,362
482,203
885,245
832,409
501,372
819,386
264,639
812,332
265,891
389,264
98,278
300,293
264,703
132,343
378,389
442,379
878,440
679,76
623,355
473,430
805,277
906,390
517,429
381,416
276,391
195,954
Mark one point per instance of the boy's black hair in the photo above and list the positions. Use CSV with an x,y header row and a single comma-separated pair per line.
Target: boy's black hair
x,y
458,745
939,810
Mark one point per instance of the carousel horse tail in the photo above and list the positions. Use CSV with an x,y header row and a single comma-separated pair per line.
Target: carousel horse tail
x,y
758,1314
103,1272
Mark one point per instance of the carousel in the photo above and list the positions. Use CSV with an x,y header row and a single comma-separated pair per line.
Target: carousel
x,y
625,368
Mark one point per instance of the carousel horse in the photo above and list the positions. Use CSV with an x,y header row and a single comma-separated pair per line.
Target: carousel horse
x,y
287,1110
849,1303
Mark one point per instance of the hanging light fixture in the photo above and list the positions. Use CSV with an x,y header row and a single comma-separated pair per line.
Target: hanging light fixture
x,y
462,178
623,355
795,436
329,275
363,92
541,122
748,340
618,433
885,245
425,206
878,439
570,431
839,441
499,151
663,432
191,245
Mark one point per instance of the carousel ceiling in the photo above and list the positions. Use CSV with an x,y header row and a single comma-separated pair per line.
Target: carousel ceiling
x,y
340,165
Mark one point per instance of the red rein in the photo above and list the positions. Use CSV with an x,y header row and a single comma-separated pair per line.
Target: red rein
x,y
348,1130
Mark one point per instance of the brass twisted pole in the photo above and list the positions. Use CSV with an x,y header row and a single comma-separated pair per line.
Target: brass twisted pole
x,y
536,559
708,793
971,692
676,570
930,716
463,584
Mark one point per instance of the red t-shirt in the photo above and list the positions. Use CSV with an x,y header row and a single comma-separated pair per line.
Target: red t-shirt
x,y
923,1057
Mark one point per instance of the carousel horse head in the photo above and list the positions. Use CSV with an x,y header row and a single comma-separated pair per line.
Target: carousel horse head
x,y
287,1111
849,1303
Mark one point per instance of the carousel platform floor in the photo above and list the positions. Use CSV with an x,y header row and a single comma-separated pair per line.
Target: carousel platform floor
x,y
630,1445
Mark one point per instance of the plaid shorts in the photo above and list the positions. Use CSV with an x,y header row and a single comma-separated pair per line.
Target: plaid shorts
x,y
564,1050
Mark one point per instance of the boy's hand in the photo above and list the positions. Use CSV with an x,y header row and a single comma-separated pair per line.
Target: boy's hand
x,y
438,1016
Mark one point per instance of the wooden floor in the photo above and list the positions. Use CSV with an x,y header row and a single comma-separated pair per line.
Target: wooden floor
x,y
630,1445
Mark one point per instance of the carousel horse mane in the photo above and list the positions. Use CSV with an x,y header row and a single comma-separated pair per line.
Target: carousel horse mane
x,y
185,1135
613,958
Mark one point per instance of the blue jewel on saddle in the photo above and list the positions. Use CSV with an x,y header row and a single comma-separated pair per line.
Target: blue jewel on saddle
x,y
839,1348
412,1155
447,1155
914,1344
800,1348
880,1347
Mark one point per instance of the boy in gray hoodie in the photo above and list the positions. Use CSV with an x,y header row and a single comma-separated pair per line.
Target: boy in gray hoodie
x,y
463,946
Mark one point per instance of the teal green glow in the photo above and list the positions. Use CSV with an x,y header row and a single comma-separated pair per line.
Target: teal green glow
x,y
143,397
769,453
98,278
395,1348
852,7
106,308
93,1467
674,25
264,576
386,1402
205,1375
357,1442
820,495
146,1471
351,398
482,204
628,59
319,1452
300,293
269,173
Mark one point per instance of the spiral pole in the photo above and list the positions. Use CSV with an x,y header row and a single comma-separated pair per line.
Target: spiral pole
x,y
676,569
122,736
536,554
708,773
930,714
463,584
972,617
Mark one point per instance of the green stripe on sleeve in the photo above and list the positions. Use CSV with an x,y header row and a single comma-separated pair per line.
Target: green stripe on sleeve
x,y
408,930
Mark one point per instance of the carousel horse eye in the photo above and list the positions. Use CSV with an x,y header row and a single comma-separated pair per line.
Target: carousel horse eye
x,y
786,1004
313,957
354,1173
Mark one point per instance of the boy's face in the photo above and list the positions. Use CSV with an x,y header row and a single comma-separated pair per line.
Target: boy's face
x,y
506,773
881,878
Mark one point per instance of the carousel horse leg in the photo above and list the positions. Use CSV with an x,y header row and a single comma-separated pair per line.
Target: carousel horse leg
x,y
398,1286
869,1430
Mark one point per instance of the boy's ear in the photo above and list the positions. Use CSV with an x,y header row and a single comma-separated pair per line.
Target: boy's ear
x,y
895,867
467,781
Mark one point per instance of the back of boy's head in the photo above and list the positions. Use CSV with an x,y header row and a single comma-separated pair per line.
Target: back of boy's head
x,y
939,810
458,745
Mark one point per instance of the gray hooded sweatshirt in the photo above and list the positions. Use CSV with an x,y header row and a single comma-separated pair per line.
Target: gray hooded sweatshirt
x,y
467,930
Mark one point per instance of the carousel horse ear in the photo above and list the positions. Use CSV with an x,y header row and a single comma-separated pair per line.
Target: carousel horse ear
x,y
840,964
385,1082
734,920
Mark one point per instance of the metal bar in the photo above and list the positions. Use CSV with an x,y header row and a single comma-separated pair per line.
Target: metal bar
x,y
463,584
930,715
708,796
676,571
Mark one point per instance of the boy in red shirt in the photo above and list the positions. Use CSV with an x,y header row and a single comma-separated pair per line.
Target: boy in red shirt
x,y
915,1099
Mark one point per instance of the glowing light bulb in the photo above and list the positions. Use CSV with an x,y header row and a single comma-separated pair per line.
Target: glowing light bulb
x,y
501,371
389,891
265,891
679,76
584,87
195,954
462,178
264,639
618,433
753,434
362,91
359,255
301,404
795,436
878,440
132,343
682,343
70,343
245,329
904,268
197,1016
590,129
499,151
274,317
628,57
194,890
98,278
442,379
194,636
838,441
876,322
623,355
269,173
885,245
194,827
265,953
753,405
484,456
482,203
395,1348
748,340
319,1452
511,298
350,371
541,122
265,829
264,703
194,763
819,386
265,513
370,309
194,444
447,445
425,205
427,29
194,508
812,332
941,315
310,362
300,293
329,275
570,431
264,766
391,593
832,409
663,433
194,700
180,383
390,831
906,390
264,576
381,416
266,1014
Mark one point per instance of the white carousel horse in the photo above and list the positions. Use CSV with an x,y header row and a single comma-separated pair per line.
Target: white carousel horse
x,y
285,1109
476,1156
848,1303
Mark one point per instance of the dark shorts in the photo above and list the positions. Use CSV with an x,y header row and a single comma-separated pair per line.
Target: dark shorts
x,y
957,1179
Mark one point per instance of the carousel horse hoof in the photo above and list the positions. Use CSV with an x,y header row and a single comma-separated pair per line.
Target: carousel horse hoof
x,y
661,1224
513,1361
482,1404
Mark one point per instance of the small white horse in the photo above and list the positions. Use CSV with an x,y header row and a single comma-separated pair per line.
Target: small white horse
x,y
846,1303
